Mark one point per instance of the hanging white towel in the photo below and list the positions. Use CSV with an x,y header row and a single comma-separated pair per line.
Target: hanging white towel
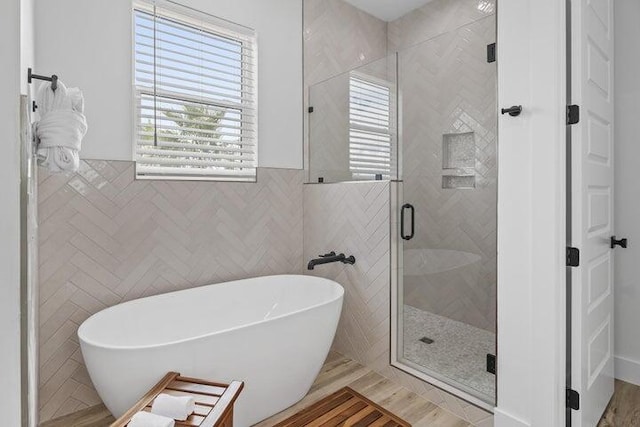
x,y
61,127
146,419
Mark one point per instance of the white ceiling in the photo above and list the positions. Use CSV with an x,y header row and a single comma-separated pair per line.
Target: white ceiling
x,y
388,10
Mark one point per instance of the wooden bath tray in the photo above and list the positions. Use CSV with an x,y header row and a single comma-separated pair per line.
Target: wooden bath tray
x,y
214,401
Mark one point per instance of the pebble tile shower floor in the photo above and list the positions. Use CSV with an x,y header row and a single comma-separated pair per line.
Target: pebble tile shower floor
x,y
458,351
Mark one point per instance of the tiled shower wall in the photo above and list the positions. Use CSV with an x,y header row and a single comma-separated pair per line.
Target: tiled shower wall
x,y
106,238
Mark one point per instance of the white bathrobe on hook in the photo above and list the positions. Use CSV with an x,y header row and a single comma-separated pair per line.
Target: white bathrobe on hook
x,y
61,127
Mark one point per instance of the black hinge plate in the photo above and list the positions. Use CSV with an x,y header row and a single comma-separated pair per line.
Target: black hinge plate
x,y
491,53
573,257
573,114
310,110
491,363
573,399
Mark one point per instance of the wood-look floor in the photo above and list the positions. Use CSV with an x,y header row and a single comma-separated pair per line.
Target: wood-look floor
x,y
337,372
96,416
624,409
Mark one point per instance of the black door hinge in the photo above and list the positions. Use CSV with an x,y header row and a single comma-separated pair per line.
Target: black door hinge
x,y
491,363
573,399
310,110
573,114
491,53
573,257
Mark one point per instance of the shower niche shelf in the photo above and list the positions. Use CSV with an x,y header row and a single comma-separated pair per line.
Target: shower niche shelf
x,y
458,161
459,182
458,150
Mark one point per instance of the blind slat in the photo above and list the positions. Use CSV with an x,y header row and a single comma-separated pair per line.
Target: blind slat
x,y
182,100
179,161
204,92
195,154
205,147
177,172
199,118
200,134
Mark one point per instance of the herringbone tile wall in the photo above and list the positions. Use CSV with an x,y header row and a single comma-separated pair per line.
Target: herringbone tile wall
x,y
435,18
339,37
106,238
354,218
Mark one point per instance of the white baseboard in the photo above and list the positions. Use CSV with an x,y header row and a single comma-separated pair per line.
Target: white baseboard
x,y
627,370
503,419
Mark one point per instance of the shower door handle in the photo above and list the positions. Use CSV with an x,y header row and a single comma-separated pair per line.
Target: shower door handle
x,y
413,221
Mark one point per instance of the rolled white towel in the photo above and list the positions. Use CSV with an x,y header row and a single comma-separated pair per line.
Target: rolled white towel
x,y
176,407
147,419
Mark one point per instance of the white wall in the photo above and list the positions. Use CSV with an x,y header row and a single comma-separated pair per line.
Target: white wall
x,y
627,189
88,44
531,213
11,69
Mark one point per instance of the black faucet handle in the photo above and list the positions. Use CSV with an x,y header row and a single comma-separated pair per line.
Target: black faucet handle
x,y
332,253
349,260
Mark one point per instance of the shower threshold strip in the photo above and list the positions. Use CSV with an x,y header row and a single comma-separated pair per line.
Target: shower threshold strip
x,y
458,390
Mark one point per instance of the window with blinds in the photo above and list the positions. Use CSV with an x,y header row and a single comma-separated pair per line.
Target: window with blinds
x,y
196,97
370,129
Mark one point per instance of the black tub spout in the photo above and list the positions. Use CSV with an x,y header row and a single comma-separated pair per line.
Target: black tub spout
x,y
329,258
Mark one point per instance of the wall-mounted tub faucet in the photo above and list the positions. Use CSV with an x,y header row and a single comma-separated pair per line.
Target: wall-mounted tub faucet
x,y
331,257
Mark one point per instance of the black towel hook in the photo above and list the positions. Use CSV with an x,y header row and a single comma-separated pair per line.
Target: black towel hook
x,y
53,79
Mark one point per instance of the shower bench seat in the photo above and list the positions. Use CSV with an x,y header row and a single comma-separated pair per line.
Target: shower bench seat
x,y
214,401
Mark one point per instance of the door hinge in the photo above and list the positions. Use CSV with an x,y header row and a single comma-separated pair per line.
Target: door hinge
x,y
491,53
491,363
573,257
310,110
573,114
573,399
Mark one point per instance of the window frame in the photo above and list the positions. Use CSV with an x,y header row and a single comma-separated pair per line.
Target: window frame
x,y
218,27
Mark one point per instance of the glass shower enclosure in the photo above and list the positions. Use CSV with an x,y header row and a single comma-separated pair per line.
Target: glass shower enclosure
x,y
444,304
425,118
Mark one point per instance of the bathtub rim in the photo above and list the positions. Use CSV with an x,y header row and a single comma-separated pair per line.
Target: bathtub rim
x,y
84,340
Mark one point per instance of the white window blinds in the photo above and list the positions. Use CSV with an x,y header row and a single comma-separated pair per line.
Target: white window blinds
x,y
196,97
370,129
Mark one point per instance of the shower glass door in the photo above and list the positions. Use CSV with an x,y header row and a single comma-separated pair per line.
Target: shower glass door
x,y
445,299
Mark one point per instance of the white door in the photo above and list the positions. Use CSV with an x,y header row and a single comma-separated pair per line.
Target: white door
x,y
592,206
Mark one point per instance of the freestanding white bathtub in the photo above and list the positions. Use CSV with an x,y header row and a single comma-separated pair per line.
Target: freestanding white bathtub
x,y
273,333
